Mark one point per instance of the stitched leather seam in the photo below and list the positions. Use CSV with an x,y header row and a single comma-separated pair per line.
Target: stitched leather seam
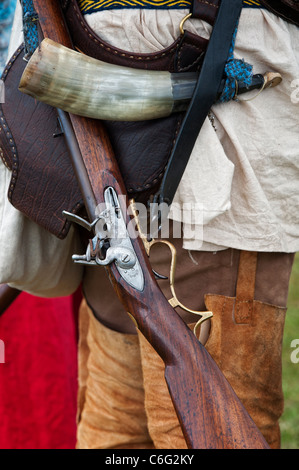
x,y
208,3
12,145
11,61
198,58
148,185
3,157
8,134
65,4
114,51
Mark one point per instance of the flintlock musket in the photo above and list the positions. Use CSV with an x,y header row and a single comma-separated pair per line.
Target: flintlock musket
x,y
210,413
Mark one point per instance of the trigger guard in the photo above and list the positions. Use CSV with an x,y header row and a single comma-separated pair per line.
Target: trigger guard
x,y
174,301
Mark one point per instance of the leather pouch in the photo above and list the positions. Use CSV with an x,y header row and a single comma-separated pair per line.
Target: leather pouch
x,y
39,162
33,148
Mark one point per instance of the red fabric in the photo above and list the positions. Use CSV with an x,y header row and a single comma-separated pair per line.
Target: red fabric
x,y
38,380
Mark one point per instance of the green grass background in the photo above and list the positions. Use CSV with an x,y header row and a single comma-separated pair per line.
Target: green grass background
x,y
289,422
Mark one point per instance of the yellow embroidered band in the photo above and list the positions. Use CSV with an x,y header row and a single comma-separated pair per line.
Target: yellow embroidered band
x,y
92,6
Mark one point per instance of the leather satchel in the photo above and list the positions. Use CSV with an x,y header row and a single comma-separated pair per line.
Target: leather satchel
x,y
33,148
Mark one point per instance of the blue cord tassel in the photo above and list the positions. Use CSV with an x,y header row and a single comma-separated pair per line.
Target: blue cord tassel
x,y
235,70
30,29
7,8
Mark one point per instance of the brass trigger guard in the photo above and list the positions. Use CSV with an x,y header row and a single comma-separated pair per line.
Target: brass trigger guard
x,y
174,301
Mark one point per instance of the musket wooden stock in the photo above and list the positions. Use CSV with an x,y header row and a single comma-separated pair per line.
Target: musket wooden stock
x,y
210,413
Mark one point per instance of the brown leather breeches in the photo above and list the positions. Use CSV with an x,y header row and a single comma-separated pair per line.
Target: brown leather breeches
x,y
123,397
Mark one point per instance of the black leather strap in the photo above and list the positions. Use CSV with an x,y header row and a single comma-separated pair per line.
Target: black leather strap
x,y
203,98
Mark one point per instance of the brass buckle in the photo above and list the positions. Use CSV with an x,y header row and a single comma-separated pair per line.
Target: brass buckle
x,y
183,22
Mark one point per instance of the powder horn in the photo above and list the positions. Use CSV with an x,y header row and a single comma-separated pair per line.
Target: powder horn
x,y
79,84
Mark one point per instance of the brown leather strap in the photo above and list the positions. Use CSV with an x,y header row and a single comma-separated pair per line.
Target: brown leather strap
x,y
182,55
246,275
205,10
245,287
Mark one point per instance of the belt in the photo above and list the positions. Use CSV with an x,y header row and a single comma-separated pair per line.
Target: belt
x,y
93,6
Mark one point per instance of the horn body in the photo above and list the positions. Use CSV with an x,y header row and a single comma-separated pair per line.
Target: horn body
x,y
82,85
